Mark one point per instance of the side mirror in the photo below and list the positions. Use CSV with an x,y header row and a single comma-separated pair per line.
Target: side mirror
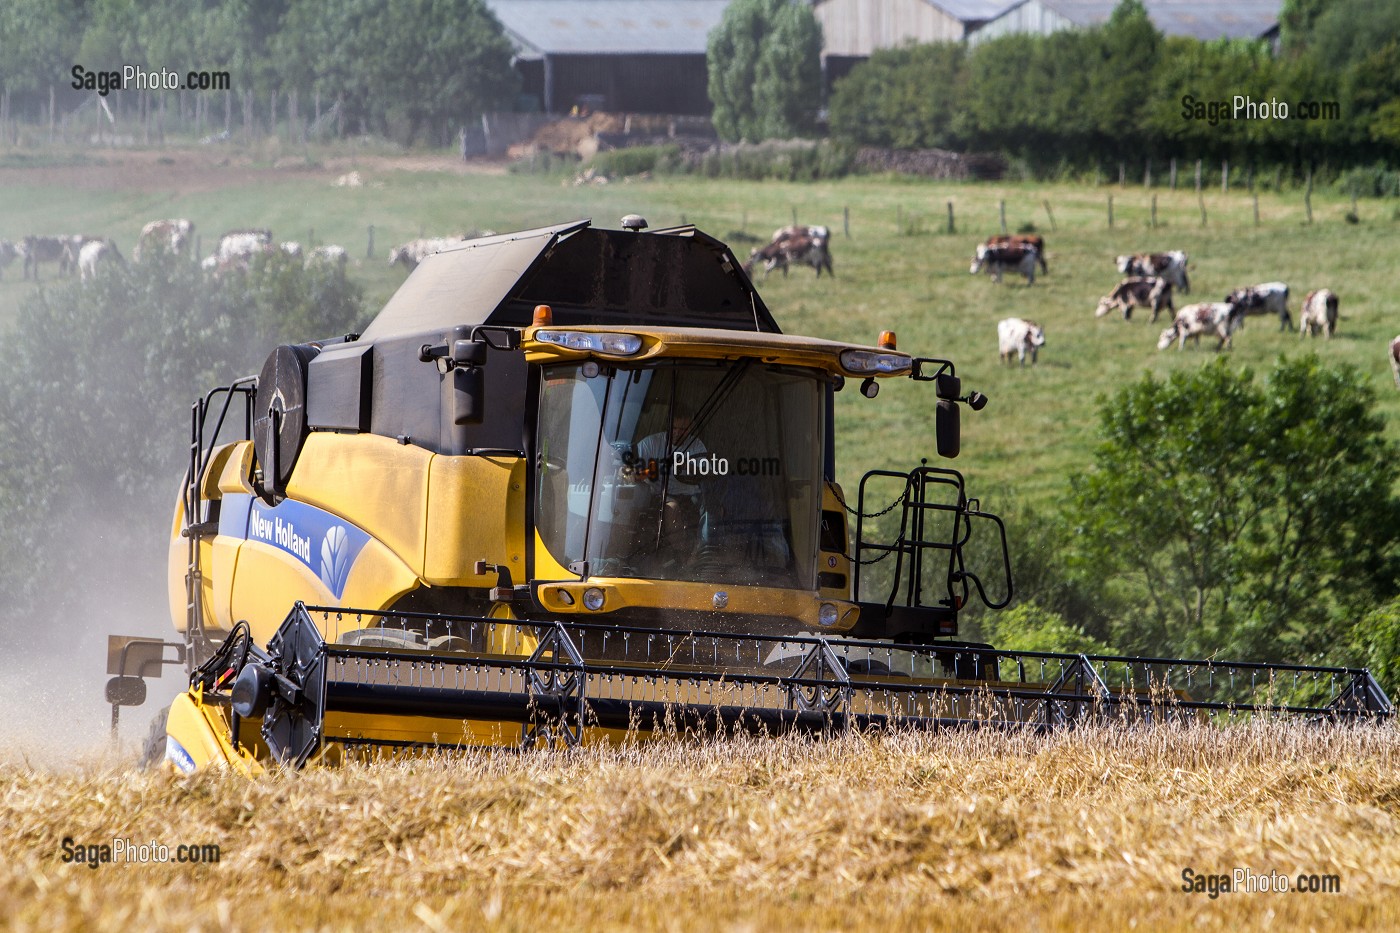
x,y
947,428
947,387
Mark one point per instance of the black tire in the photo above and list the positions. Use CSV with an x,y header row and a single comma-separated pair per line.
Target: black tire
x,y
153,749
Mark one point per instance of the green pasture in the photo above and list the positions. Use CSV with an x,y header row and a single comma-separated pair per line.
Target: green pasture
x,y
897,270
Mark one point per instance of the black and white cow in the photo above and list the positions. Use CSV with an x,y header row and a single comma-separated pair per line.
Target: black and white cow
x,y
1170,266
998,260
1269,298
1018,336
1137,291
1219,318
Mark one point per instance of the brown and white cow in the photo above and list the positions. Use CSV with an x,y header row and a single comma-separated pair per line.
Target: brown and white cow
x,y
1022,239
1170,266
998,260
1268,298
171,235
95,253
1018,336
1219,318
1395,359
1320,312
801,244
1137,291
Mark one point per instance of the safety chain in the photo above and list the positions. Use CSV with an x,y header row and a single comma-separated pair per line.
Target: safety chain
x,y
837,493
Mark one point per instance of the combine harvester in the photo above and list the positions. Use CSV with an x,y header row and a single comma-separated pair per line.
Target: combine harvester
x,y
574,484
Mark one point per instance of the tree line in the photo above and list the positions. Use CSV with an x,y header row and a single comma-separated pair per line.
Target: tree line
x,y
1124,92
397,68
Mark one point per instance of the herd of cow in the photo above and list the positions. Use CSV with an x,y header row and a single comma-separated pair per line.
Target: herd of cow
x,y
88,254
1149,283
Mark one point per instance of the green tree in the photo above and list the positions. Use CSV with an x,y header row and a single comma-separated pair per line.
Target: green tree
x,y
904,98
96,423
764,62
1250,517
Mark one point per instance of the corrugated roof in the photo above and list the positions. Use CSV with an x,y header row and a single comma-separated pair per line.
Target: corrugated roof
x,y
1201,19
608,27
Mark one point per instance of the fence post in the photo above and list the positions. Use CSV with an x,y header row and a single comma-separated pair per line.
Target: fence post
x,y
1110,212
1173,173
1049,213
1154,212
1307,196
846,220
1198,177
1001,209
794,215
1201,200
1224,176
1122,174
951,227
1147,174
1256,208
369,250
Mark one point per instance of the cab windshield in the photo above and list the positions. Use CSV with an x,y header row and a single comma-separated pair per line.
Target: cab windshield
x,y
682,470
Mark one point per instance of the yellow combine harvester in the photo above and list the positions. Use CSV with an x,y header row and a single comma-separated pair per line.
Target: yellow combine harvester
x,y
575,483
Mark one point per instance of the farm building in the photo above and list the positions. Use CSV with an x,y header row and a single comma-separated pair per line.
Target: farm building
x,y
854,28
1199,19
643,56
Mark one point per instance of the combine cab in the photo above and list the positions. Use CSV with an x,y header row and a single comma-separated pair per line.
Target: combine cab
x,y
574,484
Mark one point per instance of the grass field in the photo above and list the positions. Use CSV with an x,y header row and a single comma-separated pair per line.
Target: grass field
x,y
972,830
897,270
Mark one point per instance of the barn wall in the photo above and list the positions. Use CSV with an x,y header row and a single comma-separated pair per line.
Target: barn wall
x,y
1029,17
675,84
858,27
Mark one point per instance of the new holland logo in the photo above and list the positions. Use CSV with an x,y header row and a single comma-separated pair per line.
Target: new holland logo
x,y
296,528
335,559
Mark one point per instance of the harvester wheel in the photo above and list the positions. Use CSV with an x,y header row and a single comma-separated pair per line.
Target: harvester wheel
x,y
153,749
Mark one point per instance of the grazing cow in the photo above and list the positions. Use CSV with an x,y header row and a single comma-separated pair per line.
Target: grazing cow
x,y
413,252
1170,266
40,249
173,235
1319,311
236,250
1022,239
1269,298
1137,291
1000,259
329,255
95,252
805,245
8,254
1220,318
1019,337
1395,359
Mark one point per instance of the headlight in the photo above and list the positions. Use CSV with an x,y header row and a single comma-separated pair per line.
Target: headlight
x,y
869,361
827,614
593,599
612,344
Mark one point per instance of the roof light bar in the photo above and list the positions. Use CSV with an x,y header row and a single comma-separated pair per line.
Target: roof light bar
x,y
612,344
870,362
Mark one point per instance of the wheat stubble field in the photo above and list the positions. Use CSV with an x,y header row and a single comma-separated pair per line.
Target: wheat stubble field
x,y
1089,829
